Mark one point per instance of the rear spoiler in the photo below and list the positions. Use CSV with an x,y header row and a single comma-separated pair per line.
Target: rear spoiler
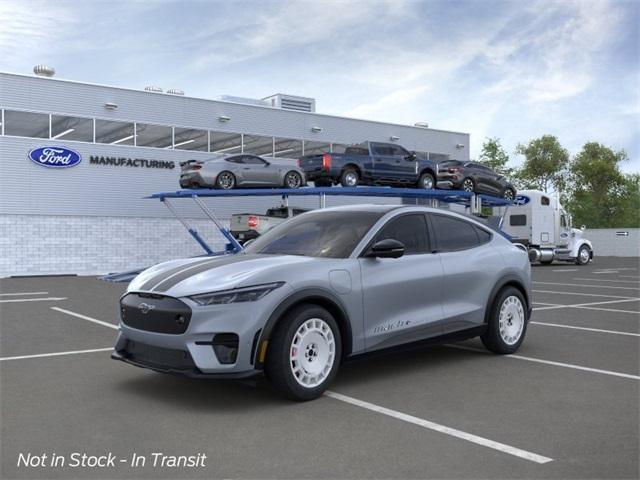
x,y
188,162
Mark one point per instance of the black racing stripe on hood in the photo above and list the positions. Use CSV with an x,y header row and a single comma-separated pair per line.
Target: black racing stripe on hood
x,y
156,279
220,262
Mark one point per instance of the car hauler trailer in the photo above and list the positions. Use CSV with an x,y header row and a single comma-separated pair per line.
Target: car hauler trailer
x,y
473,202
538,221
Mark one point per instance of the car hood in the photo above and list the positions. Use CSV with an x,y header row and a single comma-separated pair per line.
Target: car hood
x,y
179,278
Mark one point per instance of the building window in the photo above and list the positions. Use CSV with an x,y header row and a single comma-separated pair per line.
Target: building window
x,y
190,139
71,128
114,133
258,145
26,124
287,148
158,136
225,143
316,148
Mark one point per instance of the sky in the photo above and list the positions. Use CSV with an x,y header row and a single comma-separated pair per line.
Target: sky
x,y
508,69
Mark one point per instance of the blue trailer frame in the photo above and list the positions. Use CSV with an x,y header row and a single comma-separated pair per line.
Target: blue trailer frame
x,y
471,200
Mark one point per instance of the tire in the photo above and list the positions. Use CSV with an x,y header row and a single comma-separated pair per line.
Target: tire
x,y
584,255
468,185
349,178
509,307
546,262
292,180
225,180
304,331
426,182
509,194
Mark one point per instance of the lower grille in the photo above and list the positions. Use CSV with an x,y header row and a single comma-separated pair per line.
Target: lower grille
x,y
158,357
155,313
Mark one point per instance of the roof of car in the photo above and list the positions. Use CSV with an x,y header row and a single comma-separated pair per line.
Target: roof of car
x,y
362,208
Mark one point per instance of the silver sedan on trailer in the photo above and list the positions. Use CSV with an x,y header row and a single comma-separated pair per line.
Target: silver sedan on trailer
x,y
243,170
325,287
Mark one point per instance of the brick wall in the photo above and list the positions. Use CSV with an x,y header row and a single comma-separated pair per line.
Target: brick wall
x,y
43,244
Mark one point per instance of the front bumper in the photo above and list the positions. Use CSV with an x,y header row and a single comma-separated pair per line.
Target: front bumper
x,y
194,352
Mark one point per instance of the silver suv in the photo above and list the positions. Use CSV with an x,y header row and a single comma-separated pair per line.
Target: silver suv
x,y
324,287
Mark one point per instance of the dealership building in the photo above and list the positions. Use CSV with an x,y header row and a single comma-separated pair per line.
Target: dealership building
x,y
92,217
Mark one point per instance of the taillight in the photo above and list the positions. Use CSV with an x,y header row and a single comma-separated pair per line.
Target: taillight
x,y
299,163
454,170
253,221
326,161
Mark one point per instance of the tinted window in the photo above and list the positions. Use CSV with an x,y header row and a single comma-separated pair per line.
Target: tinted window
x,y
453,233
411,230
317,234
483,235
72,128
357,151
544,201
517,220
238,159
114,133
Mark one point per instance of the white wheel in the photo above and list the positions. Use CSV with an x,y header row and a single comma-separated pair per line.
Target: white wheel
x,y
584,255
312,353
511,320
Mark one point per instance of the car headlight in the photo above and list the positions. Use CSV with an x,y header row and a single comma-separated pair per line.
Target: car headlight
x,y
237,295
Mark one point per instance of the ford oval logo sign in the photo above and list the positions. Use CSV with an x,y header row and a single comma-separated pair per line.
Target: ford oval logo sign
x,y
521,200
55,157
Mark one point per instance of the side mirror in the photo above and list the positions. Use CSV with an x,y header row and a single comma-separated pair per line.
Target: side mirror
x,y
412,156
388,248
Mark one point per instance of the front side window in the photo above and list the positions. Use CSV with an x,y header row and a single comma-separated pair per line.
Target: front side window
x,y
454,234
410,230
317,234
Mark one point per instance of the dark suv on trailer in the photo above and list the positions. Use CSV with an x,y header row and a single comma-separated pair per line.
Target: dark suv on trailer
x,y
474,177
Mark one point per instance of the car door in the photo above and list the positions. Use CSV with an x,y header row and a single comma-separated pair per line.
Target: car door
x,y
257,171
468,263
388,162
402,296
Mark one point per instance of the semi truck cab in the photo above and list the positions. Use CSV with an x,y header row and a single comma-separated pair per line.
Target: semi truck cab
x,y
538,221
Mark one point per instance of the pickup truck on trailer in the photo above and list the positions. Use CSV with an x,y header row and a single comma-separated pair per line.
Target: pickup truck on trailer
x,y
371,163
247,226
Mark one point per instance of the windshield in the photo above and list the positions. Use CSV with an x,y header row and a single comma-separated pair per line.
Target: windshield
x,y
317,234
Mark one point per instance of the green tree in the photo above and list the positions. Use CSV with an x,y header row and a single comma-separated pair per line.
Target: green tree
x,y
545,164
494,156
600,195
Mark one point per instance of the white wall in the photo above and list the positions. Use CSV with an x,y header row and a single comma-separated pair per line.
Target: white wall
x,y
606,243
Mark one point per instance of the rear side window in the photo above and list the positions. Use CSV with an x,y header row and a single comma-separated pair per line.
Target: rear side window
x,y
356,151
518,220
454,234
411,230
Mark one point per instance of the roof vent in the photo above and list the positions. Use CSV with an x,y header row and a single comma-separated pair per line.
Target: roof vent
x,y
291,102
175,91
153,88
44,71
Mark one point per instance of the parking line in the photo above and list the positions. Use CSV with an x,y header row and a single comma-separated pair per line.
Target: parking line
x,y
84,317
566,270
585,329
603,280
628,276
582,294
485,442
22,293
590,304
632,312
588,286
550,362
55,354
47,299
